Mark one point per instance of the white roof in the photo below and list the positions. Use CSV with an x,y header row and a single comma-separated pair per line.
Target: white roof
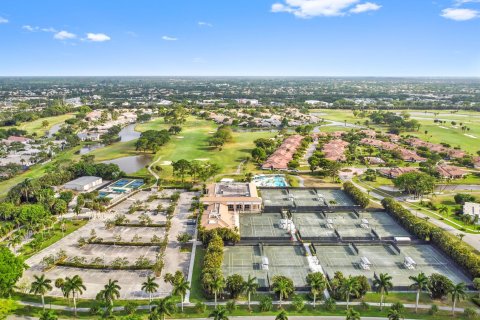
x,y
84,180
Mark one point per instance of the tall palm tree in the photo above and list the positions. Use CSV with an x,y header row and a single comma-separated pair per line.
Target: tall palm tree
x,y
350,286
219,314
282,316
352,314
317,283
40,286
458,293
382,283
282,286
217,285
180,288
110,292
150,287
163,307
250,286
74,286
420,283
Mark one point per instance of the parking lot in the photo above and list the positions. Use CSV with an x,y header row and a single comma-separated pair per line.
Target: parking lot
x,y
129,281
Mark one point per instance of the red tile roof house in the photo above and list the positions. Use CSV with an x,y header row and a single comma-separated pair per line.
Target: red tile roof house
x,y
395,172
335,150
283,155
18,139
409,155
405,154
450,172
369,133
452,153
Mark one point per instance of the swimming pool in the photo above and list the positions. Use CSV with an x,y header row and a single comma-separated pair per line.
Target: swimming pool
x,y
270,180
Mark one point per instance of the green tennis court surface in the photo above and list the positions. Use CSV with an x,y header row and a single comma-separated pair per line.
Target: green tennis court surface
x,y
289,261
386,259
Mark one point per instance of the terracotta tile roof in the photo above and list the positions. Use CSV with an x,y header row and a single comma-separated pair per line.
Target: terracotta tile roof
x,y
335,150
283,155
396,172
448,171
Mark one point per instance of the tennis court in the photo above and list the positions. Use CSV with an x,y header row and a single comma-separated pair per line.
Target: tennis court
x,y
245,261
313,225
387,259
305,197
289,261
383,225
264,225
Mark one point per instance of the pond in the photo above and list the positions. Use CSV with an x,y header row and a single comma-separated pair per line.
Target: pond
x,y
90,147
128,133
131,164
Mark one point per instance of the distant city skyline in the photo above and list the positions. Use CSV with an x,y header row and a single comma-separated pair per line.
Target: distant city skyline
x,y
338,38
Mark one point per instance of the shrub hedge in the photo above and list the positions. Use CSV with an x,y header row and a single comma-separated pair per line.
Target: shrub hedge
x,y
457,250
358,196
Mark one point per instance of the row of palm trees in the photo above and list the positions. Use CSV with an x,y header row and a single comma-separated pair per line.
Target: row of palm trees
x,y
73,287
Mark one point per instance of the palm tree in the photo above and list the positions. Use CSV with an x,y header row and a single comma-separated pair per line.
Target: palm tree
x,y
282,286
73,286
40,286
217,285
150,287
282,316
420,283
180,288
350,286
458,293
163,307
317,284
394,314
250,286
352,314
219,314
382,283
443,210
110,292
48,315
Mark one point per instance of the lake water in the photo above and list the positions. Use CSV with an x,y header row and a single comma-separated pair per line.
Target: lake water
x,y
90,147
131,164
128,133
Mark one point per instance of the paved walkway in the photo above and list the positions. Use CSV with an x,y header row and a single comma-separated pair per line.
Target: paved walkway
x,y
146,307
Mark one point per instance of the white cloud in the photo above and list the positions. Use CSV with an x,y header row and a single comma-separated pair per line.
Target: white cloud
x,y
50,29
64,35
204,24
97,37
3,20
30,28
459,14
460,2
364,7
132,34
167,38
323,8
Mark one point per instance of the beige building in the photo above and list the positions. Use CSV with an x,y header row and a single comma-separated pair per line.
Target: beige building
x,y
226,201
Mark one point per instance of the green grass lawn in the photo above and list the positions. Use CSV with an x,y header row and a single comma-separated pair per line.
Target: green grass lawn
x,y
36,171
70,226
243,311
36,125
196,293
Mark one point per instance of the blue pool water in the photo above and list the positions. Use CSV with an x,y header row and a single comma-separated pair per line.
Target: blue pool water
x,y
270,181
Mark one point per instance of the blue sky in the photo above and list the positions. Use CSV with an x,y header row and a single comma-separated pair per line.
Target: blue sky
x,y
240,37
